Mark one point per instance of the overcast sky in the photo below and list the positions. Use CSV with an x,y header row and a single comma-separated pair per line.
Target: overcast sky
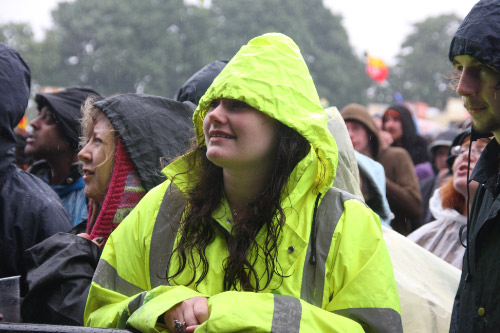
x,y
378,27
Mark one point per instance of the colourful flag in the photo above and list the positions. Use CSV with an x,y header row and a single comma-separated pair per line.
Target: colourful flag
x,y
376,69
23,123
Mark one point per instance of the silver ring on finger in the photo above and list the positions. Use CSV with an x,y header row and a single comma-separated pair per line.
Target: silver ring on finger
x,y
179,326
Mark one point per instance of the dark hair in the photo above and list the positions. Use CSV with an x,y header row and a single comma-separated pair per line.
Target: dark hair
x,y
197,228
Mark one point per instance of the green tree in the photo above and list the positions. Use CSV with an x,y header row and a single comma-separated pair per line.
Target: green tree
x,y
338,74
130,45
153,46
42,57
423,68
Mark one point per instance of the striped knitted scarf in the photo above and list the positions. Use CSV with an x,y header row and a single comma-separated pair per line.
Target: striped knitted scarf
x,y
124,193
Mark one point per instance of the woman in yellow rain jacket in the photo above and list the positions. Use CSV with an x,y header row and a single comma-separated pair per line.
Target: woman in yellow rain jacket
x,y
247,233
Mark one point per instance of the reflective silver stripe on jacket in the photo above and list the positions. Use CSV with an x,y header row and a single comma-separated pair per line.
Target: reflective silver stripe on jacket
x,y
107,277
374,319
287,314
164,233
162,242
328,214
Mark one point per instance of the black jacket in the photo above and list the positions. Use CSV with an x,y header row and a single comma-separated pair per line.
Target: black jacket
x,y
477,303
153,130
29,210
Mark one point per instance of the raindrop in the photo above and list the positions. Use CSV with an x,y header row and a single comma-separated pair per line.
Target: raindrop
x,y
73,60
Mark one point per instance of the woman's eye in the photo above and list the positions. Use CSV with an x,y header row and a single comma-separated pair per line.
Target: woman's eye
x,y
239,105
214,103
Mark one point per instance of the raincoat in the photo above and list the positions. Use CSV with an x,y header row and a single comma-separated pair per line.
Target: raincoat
x,y
402,188
338,274
477,303
61,267
441,236
29,210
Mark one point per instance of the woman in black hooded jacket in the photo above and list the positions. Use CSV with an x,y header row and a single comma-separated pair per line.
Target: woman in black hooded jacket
x,y
143,129
408,137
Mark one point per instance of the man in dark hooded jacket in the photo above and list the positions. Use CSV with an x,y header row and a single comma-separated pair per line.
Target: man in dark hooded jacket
x,y
29,210
475,53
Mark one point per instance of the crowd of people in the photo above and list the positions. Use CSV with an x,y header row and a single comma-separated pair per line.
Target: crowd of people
x,y
243,205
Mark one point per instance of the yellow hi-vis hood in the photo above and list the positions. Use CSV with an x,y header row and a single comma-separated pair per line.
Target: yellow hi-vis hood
x,y
270,75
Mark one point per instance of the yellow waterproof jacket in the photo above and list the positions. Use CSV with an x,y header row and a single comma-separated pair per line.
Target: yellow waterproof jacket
x,y
337,272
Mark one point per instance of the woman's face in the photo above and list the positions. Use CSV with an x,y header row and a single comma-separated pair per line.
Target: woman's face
x,y
98,159
359,137
394,126
239,136
459,167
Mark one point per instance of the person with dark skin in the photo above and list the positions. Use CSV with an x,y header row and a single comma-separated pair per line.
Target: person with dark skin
x,y
54,143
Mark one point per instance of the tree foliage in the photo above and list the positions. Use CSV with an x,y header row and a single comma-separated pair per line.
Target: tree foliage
x,y
337,72
153,46
423,68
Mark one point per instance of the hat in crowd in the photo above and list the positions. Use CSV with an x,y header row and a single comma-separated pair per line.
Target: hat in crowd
x,y
66,104
478,35
457,141
443,139
195,87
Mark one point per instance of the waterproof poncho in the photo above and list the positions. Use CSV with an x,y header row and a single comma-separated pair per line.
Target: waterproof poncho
x,y
337,272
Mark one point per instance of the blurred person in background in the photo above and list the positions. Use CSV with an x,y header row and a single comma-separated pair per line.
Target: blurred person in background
x,y
438,150
54,143
195,87
448,203
403,192
398,121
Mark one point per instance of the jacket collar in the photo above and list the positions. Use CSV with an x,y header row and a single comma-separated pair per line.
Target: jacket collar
x,y
487,167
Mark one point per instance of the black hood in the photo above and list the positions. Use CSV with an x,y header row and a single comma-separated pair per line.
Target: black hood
x,y
15,80
195,87
153,130
479,34
409,129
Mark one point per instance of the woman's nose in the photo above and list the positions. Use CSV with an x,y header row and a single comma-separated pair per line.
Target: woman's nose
x,y
84,154
218,114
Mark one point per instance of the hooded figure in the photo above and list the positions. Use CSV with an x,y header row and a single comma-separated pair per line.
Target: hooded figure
x,y
29,210
475,53
410,140
55,143
149,131
195,87
403,192
332,273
